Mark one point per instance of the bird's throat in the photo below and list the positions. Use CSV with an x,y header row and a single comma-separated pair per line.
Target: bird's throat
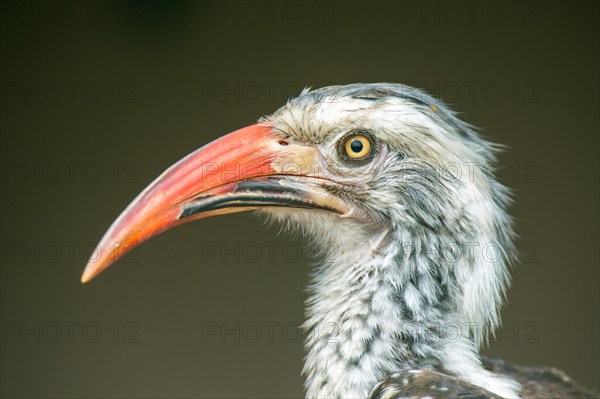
x,y
368,316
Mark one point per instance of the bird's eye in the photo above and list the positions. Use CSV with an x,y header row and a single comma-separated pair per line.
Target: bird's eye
x,y
356,146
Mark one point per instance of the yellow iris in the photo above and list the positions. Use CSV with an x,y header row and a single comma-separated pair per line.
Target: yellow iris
x,y
357,146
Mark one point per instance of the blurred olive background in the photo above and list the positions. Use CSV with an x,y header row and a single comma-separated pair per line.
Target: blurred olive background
x,y
99,97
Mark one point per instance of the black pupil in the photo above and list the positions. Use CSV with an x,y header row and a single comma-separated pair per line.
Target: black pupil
x,y
356,146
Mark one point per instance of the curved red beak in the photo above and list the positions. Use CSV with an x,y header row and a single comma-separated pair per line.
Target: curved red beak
x,y
251,168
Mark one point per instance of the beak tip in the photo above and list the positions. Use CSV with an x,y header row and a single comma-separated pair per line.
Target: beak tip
x,y
91,270
86,276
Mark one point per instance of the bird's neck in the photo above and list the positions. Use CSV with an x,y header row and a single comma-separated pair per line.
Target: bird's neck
x,y
374,308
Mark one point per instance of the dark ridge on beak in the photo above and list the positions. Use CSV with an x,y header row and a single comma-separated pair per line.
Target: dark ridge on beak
x,y
259,192
246,201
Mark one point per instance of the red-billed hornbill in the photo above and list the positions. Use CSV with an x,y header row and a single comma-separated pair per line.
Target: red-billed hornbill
x,y
385,180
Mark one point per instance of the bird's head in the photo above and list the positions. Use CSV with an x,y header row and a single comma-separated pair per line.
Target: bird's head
x,y
350,160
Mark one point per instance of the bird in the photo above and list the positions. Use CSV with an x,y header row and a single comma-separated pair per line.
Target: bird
x,y
413,231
